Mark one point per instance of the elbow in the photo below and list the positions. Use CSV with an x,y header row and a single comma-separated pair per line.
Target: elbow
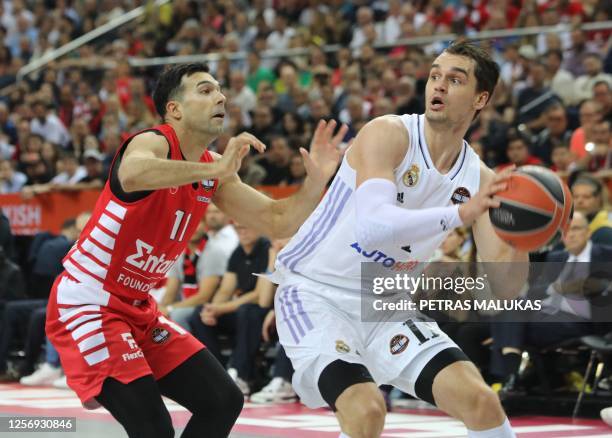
x,y
367,239
129,182
370,234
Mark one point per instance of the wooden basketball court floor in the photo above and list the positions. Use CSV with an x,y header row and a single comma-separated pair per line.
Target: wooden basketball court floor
x,y
285,420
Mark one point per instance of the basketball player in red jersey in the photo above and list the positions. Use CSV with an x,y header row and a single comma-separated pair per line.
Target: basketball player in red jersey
x,y
116,348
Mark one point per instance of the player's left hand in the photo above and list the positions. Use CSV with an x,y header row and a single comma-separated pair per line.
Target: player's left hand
x,y
322,160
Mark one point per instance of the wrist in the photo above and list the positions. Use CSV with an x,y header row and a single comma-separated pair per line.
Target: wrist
x,y
316,185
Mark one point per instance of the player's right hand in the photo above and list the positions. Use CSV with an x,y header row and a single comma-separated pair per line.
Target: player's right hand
x,y
485,198
236,150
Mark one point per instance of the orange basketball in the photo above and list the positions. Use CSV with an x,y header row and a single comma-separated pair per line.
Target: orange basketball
x,y
535,209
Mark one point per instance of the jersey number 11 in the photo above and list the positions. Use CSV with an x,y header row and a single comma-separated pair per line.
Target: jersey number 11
x,y
177,225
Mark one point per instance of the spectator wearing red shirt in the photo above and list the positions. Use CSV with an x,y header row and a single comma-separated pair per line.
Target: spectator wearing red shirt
x,y
589,114
599,156
518,152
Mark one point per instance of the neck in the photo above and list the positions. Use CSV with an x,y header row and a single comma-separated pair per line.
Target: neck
x,y
192,142
576,252
248,248
444,143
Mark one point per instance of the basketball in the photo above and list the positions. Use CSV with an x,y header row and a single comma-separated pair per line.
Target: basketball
x,y
535,209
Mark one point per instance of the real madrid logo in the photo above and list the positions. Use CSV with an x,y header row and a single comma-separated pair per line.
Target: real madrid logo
x,y
341,347
411,176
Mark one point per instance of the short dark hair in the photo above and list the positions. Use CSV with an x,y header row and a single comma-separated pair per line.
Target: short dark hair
x,y
169,83
604,82
516,135
583,179
68,223
68,155
556,52
486,70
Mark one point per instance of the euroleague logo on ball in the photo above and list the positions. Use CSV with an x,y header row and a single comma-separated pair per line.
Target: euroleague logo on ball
x,y
461,195
398,344
503,216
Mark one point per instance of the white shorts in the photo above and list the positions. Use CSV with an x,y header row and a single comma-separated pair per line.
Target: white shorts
x,y
318,324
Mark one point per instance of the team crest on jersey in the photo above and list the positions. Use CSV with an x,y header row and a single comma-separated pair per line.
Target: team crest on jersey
x,y
398,344
411,176
208,184
160,335
341,347
460,196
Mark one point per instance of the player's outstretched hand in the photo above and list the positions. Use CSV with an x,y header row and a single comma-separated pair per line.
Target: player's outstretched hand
x,y
322,160
485,198
236,150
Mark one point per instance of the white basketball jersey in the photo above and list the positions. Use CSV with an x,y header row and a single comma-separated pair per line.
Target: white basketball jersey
x,y
325,248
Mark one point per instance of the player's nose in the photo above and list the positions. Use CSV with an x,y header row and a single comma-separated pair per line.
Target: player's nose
x,y
440,87
222,98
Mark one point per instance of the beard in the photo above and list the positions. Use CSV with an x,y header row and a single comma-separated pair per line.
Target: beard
x,y
208,127
434,117
213,128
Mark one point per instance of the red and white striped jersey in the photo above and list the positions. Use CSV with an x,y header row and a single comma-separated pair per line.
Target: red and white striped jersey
x,y
126,248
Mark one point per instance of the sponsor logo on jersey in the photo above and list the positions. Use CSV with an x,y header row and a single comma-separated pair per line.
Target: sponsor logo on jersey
x,y
208,184
460,196
132,345
160,335
398,344
203,199
411,176
132,356
378,256
127,337
400,197
145,260
341,347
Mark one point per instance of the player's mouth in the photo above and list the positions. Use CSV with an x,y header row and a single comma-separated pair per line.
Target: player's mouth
x,y
436,104
219,116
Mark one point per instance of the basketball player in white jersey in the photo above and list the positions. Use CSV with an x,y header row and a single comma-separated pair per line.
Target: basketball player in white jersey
x,y
403,185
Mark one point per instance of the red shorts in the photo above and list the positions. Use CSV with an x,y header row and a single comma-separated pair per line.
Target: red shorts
x,y
99,335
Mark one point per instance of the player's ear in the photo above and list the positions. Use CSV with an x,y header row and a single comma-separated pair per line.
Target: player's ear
x,y
481,100
173,108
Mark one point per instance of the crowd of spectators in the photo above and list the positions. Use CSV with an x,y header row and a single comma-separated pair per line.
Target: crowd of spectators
x,y
61,125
